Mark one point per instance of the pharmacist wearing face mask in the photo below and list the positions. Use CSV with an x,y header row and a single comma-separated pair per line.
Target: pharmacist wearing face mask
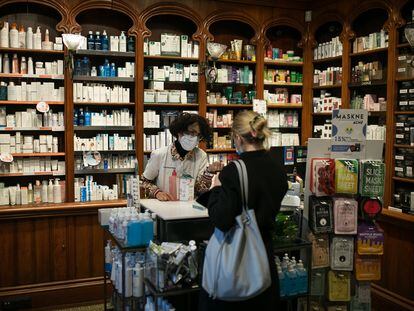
x,y
181,158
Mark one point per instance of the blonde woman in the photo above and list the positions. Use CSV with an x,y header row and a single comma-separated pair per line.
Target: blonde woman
x,y
267,187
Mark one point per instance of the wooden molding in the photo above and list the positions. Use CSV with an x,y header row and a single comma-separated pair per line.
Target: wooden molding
x,y
367,5
393,300
58,6
239,16
324,17
119,6
170,8
281,21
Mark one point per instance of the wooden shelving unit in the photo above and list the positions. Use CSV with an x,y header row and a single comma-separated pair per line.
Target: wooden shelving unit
x,y
285,106
38,154
282,63
26,103
76,231
323,87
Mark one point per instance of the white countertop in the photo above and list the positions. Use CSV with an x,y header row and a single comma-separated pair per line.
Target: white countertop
x,y
173,210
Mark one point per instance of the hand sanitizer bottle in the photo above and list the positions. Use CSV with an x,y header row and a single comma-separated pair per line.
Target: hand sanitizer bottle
x,y
293,281
282,282
148,227
302,278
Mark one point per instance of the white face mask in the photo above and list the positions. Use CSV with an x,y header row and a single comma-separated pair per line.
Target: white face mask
x,y
188,142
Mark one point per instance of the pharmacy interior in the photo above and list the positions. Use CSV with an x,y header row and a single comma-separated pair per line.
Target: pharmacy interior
x,y
80,116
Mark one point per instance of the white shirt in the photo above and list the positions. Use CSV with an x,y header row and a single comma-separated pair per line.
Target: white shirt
x,y
162,164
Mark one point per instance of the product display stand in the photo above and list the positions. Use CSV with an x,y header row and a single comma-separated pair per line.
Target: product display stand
x,y
321,148
124,250
301,246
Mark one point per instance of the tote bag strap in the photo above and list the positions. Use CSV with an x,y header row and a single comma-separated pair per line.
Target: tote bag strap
x,y
244,183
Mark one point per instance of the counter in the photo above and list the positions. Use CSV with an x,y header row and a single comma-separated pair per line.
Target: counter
x,y
179,221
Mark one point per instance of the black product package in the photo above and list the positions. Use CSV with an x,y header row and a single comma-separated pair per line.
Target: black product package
x,y
320,214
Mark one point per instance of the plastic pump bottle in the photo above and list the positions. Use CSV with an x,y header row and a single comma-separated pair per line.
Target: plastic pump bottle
x,y
302,278
50,191
292,281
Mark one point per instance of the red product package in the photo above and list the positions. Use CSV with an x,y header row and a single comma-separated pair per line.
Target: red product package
x,y
323,177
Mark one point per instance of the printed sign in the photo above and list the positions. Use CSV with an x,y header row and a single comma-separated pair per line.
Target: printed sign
x,y
349,132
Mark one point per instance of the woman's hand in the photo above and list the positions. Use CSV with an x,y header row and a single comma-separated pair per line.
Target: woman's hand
x,y
164,196
215,182
215,167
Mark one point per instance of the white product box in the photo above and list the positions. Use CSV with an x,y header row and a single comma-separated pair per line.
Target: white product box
x,y
174,96
170,44
154,48
149,96
156,85
184,46
161,96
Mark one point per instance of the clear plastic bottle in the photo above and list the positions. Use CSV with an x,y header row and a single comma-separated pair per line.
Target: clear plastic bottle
x,y
282,282
107,68
23,66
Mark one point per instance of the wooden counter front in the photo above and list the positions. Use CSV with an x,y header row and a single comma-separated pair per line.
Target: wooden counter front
x,y
52,253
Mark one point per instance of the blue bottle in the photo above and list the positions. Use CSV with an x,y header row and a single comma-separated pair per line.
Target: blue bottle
x,y
98,44
91,41
302,278
75,117
104,41
148,229
87,117
85,67
282,282
113,70
101,72
107,69
292,281
134,232
78,68
81,117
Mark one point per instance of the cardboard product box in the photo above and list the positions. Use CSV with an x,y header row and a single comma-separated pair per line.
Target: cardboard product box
x,y
156,85
174,96
170,44
149,96
161,96
154,48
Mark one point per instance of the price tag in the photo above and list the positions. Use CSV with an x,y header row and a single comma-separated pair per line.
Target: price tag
x,y
6,157
42,107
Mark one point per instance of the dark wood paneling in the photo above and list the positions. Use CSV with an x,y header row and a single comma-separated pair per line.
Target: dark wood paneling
x,y
24,250
97,254
58,247
42,250
83,242
7,254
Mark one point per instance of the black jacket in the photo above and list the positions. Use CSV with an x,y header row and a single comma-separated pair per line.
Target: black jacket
x,y
267,187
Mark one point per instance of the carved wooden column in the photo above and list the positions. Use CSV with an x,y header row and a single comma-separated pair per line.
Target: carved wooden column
x,y
307,43
346,36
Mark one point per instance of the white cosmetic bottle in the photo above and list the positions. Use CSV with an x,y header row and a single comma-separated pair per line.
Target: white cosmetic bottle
x,y
57,194
22,37
50,190
37,39
45,198
14,36
4,35
30,66
29,38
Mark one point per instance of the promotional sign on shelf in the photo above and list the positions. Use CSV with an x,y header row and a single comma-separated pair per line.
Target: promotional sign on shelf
x,y
349,132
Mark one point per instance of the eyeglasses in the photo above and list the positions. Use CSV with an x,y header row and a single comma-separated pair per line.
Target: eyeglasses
x,y
192,133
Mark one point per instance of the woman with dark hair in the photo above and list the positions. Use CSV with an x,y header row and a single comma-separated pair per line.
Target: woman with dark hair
x,y
183,156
